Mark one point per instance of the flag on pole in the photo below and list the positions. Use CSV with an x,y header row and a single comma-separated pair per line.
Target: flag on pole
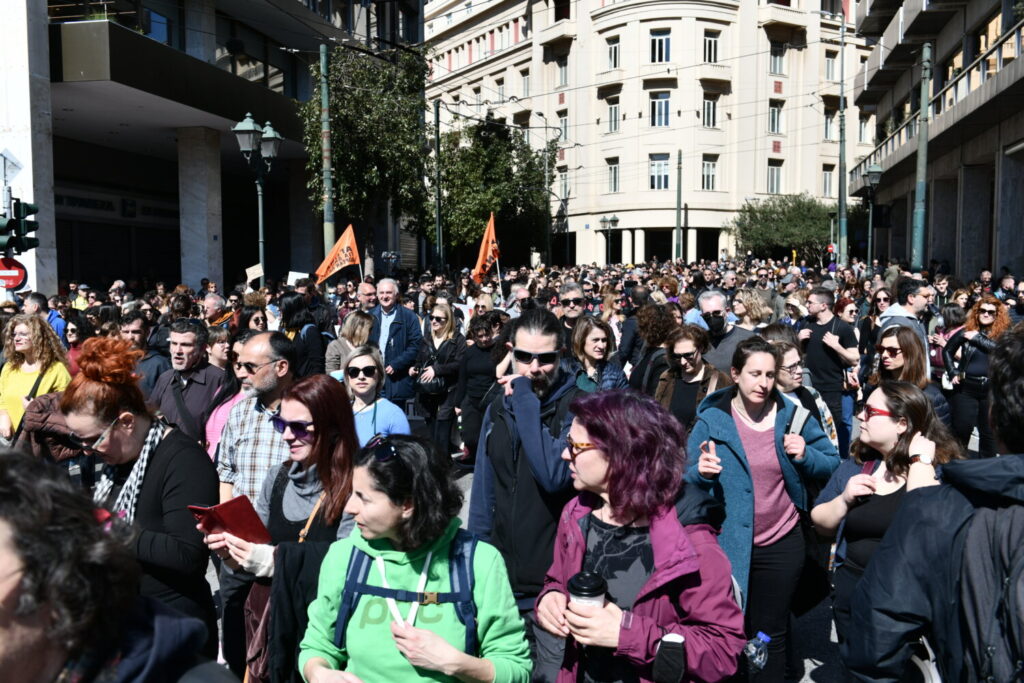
x,y
343,253
488,252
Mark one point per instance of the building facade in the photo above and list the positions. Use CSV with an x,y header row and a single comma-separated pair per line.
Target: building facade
x,y
118,116
739,99
974,199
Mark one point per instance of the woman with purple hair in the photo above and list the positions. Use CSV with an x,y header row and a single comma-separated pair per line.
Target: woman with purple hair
x,y
651,541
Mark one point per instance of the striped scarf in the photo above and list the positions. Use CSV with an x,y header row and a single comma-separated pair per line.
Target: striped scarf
x,y
128,498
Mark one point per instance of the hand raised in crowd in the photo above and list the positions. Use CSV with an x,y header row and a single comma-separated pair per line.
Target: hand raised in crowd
x,y
593,625
551,614
709,465
858,485
794,445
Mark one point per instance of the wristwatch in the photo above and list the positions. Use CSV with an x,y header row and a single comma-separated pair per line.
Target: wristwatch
x,y
922,458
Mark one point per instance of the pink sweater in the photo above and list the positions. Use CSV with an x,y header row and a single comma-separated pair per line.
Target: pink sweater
x,y
215,424
774,512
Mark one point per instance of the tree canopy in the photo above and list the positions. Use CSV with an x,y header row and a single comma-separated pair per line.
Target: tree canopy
x,y
784,222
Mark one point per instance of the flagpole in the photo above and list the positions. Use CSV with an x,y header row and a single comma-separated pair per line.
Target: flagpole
x,y
497,263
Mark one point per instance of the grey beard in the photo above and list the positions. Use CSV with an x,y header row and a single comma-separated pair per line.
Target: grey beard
x,y
542,385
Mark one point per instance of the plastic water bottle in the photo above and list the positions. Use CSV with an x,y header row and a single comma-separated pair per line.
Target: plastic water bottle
x,y
756,651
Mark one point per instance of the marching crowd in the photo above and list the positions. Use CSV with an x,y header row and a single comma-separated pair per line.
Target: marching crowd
x,y
665,464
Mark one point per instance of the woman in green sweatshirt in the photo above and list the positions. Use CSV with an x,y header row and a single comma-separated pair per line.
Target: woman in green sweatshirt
x,y
408,596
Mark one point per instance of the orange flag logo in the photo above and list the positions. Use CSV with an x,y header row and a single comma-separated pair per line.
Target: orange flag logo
x,y
343,253
488,252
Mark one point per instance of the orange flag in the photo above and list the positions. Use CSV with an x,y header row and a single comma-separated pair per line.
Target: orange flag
x,y
488,252
343,253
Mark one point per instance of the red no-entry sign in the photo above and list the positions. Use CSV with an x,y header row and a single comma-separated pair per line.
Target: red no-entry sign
x,y
12,274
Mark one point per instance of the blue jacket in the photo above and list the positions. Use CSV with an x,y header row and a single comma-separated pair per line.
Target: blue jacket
x,y
400,350
58,324
734,487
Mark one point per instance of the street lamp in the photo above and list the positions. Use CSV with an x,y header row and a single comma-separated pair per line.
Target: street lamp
x,y
607,240
259,146
873,176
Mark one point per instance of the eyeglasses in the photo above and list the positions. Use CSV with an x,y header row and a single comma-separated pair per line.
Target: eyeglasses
x,y
871,411
300,428
713,314
383,449
574,301
891,351
794,369
986,311
369,372
77,442
251,368
527,358
70,330
688,357
576,448
443,319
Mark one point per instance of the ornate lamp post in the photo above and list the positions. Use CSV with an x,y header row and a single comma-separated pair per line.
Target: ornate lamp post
x,y
259,146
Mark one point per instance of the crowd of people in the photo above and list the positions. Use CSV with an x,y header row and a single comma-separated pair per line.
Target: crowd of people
x,y
665,464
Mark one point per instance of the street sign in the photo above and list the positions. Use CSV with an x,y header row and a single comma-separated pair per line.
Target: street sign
x,y
12,274
831,248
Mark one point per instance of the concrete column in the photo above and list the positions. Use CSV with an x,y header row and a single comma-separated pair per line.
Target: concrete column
x,y
199,205
201,29
26,130
640,246
899,235
627,246
942,220
305,226
974,224
1009,247
691,245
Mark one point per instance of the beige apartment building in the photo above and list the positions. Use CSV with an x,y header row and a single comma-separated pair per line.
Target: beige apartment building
x,y
745,93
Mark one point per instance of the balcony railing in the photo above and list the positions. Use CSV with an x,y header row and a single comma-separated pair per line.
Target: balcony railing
x,y
1003,52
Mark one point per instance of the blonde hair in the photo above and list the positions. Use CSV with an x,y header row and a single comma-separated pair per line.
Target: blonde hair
x,y
448,329
757,311
356,328
374,353
45,344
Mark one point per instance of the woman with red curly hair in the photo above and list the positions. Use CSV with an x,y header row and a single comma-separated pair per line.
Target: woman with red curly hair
x,y
966,361
651,540
152,473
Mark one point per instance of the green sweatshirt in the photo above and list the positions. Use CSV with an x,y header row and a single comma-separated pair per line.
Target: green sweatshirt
x,y
370,651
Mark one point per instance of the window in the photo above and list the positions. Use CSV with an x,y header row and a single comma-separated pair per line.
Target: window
x,y
524,83
478,101
710,119
613,174
774,176
777,59
563,9
830,124
775,116
563,126
661,44
562,64
660,109
563,183
862,129
709,172
469,8
499,85
830,65
613,114
711,46
827,171
658,164
613,52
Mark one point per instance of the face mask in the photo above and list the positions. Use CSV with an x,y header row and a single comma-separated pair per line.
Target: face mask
x,y
716,323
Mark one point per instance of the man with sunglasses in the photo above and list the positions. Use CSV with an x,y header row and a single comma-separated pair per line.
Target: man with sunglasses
x,y
249,447
520,482
724,335
574,305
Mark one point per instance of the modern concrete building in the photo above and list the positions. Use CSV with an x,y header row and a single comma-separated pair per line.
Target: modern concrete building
x,y
748,92
119,114
974,196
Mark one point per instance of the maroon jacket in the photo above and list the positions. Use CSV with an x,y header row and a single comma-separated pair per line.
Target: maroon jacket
x,y
689,592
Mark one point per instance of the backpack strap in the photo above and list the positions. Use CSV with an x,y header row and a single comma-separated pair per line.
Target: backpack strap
x,y
355,577
460,570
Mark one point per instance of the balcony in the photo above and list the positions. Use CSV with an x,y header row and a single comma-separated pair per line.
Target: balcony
x,y
562,31
720,73
925,18
771,14
979,97
890,58
874,15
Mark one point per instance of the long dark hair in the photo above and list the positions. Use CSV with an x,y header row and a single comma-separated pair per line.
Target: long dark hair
x,y
334,437
294,313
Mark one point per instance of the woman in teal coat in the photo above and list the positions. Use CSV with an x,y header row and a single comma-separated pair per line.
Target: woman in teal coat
x,y
751,462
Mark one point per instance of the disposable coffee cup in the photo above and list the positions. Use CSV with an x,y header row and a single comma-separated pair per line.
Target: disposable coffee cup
x,y
587,588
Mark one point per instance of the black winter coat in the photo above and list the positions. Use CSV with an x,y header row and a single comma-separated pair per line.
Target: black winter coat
x,y
446,363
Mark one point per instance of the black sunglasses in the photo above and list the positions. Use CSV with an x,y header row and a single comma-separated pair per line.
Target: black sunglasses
x,y
370,371
688,357
574,301
439,319
383,449
712,314
525,357
300,428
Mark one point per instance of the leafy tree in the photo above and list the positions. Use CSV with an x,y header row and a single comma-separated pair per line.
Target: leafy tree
x,y
784,222
378,149
486,167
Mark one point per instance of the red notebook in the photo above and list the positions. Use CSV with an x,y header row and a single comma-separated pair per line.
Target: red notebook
x,y
237,516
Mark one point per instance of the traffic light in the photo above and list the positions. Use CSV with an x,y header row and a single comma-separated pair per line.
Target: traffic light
x,y
14,229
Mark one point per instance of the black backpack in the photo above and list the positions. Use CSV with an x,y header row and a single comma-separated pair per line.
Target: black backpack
x,y
992,594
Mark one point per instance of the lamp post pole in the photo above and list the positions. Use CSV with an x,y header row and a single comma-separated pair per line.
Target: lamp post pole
x,y
921,186
843,255
679,204
325,148
259,146
873,175
437,184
